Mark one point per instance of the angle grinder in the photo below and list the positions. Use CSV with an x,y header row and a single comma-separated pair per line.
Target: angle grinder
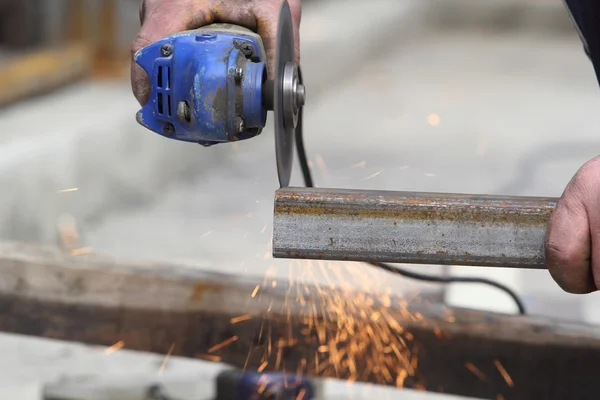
x,y
210,86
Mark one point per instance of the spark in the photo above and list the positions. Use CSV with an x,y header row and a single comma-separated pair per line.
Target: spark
x,y
321,164
209,357
255,291
115,347
241,318
504,374
223,344
263,366
361,164
374,175
429,175
476,371
433,119
206,234
249,215
348,328
67,190
166,360
81,251
301,394
264,229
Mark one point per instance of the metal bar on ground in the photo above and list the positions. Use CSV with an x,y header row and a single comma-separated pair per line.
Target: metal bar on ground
x,y
410,227
260,324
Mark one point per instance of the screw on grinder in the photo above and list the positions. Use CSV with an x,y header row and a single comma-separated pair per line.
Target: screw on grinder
x,y
210,86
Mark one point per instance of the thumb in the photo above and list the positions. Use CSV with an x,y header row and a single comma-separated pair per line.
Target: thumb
x,y
573,235
267,17
161,19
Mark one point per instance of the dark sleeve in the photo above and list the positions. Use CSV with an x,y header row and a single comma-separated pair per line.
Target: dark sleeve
x,y
586,16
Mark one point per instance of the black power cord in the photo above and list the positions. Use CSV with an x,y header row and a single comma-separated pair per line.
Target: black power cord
x,y
308,181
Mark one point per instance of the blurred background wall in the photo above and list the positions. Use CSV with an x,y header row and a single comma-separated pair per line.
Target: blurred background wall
x,y
487,96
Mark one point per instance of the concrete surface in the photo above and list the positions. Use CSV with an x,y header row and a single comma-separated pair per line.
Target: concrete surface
x,y
396,103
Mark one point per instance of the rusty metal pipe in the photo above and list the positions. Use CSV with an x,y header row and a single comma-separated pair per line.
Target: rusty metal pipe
x,y
412,228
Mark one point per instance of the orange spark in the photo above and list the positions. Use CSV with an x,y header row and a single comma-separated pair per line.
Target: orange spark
x,y
166,360
255,291
263,366
209,357
374,175
400,378
115,347
433,119
241,318
321,165
476,371
67,190
81,251
224,343
504,374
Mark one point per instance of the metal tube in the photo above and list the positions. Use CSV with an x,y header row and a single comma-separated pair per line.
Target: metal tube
x,y
412,228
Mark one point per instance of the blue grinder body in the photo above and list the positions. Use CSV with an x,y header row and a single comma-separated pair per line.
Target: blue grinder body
x,y
206,86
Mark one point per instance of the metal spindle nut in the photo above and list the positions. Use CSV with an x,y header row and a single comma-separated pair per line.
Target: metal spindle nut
x,y
300,96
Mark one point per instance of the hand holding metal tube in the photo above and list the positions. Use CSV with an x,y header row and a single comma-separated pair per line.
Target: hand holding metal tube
x,y
573,234
161,18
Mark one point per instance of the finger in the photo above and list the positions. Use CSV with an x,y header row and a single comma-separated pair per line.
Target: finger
x,y
568,246
142,12
591,201
161,19
267,17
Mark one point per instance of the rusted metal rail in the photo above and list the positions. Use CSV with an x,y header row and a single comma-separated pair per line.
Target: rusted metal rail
x,y
284,325
414,228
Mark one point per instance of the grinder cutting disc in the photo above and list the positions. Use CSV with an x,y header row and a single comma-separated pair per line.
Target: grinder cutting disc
x,y
284,129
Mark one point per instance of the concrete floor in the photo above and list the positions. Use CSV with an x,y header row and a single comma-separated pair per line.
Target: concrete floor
x,y
515,117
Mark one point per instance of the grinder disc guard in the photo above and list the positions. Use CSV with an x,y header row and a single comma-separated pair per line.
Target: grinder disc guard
x,y
286,91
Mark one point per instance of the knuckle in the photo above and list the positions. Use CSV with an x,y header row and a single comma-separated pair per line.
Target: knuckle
x,y
138,43
587,175
562,261
559,257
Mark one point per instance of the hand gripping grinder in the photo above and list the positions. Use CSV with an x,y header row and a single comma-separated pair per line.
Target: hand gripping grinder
x,y
210,86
